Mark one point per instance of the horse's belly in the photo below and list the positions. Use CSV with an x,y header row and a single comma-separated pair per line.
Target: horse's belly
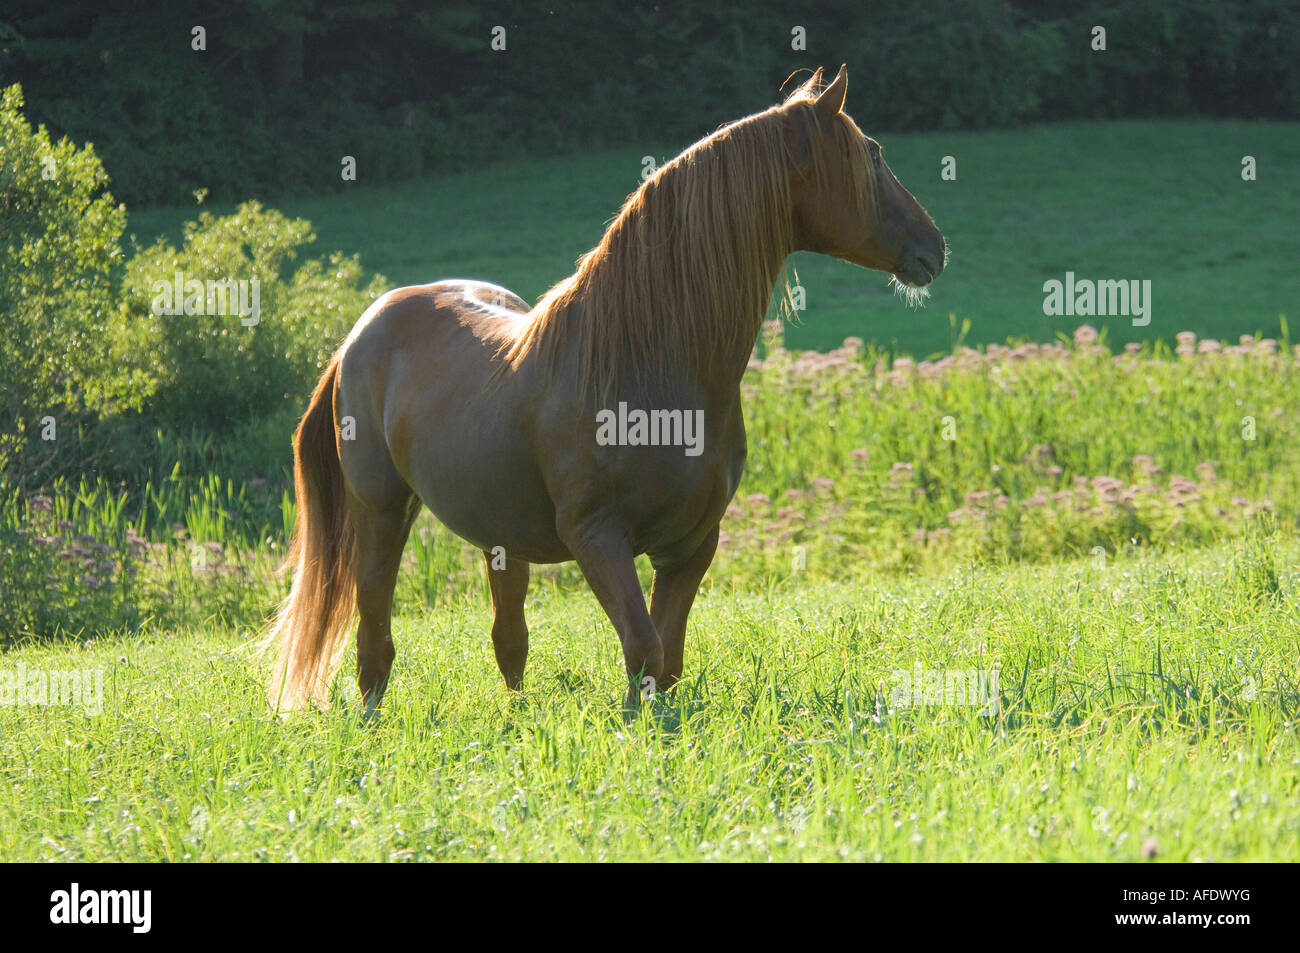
x,y
493,504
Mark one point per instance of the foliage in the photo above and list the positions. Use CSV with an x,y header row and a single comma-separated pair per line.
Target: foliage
x,y
296,87
214,371
91,370
59,233
1027,452
857,467
88,560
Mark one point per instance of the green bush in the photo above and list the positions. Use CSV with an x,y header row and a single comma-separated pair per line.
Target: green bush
x,y
59,241
217,371
92,374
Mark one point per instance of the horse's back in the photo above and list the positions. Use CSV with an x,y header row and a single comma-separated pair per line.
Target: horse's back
x,y
416,375
403,315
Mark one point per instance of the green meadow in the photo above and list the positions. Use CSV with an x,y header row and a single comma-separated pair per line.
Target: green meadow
x,y
996,585
1016,604
1159,200
1145,710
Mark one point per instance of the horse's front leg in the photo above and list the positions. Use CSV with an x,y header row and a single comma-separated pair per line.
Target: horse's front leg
x,y
509,585
671,599
606,559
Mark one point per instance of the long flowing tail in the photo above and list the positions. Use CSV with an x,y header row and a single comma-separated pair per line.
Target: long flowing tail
x,y
312,624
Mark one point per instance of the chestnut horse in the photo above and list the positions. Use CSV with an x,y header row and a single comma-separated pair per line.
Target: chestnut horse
x,y
603,423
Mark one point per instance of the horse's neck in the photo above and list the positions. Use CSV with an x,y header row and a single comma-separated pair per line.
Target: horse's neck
x,y
709,354
718,373
714,291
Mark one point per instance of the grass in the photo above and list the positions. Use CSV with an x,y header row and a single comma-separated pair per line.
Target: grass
x,y
856,467
1112,531
1158,200
1144,628
1148,706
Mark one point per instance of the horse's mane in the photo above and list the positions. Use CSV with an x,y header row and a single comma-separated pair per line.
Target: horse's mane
x,y
683,275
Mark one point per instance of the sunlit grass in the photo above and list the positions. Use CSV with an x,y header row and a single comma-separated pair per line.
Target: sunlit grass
x,y
1113,534
1155,698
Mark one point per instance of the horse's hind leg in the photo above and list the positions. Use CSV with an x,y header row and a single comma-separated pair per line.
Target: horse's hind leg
x,y
381,535
509,585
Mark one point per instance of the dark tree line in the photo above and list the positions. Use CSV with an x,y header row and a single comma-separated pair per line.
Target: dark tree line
x,y
283,89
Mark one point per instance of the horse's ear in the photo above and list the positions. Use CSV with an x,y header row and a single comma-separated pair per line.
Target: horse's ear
x,y
807,90
831,101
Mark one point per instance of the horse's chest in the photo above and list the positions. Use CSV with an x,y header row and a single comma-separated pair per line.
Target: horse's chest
x,y
674,499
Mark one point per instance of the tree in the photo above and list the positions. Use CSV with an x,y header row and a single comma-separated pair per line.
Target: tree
x,y
59,241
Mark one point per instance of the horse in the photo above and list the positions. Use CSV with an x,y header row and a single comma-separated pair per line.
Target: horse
x,y
560,432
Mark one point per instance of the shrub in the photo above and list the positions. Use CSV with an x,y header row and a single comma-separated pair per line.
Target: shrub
x,y
59,240
216,371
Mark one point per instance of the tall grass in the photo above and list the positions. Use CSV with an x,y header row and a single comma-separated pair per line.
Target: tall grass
x,y
857,465
878,557
1145,709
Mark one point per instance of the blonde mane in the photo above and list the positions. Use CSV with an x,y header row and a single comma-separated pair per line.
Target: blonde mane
x,y
683,276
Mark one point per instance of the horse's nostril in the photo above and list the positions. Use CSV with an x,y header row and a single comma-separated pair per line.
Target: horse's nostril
x,y
935,263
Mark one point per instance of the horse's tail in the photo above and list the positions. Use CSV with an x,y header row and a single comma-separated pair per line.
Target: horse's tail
x,y
312,623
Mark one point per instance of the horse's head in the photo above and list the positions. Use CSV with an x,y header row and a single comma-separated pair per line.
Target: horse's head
x,y
845,200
